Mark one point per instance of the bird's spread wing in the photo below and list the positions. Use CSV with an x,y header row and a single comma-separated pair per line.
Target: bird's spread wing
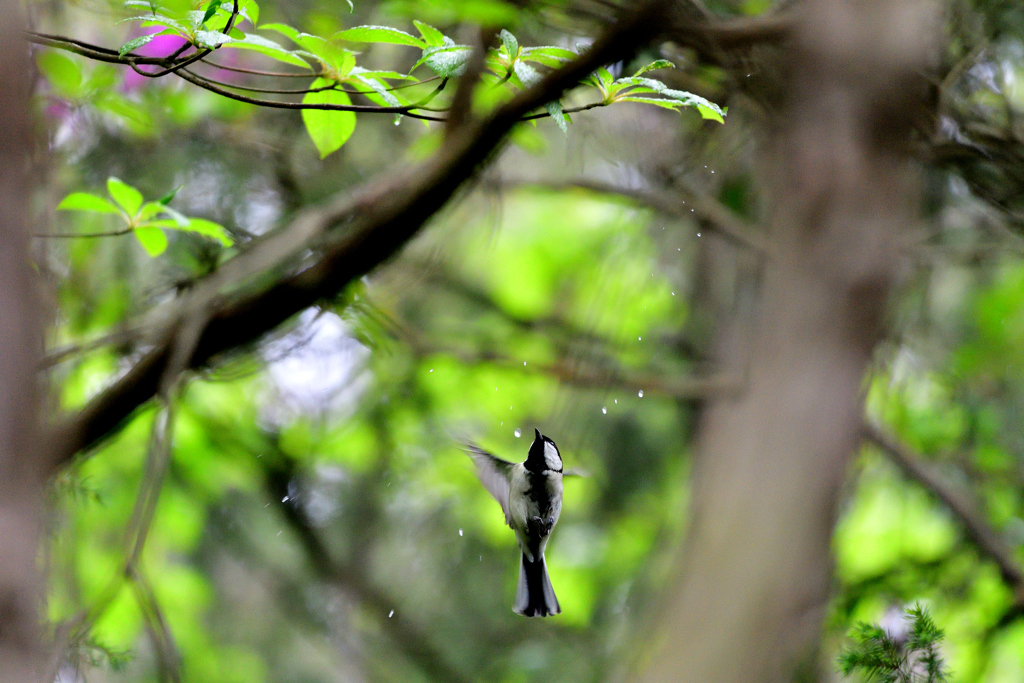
x,y
494,474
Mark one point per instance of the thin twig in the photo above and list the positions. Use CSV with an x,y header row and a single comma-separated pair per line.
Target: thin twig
x,y
74,235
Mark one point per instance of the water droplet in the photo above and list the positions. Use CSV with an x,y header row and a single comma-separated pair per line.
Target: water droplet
x,y
698,234
285,499
673,293
639,338
712,171
391,614
460,532
279,532
502,424
640,393
518,432
524,362
604,411
678,249
495,388
481,558
431,369
616,401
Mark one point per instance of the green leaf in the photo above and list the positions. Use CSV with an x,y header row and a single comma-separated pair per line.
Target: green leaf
x,y
209,229
166,199
329,130
211,9
212,39
431,35
135,43
386,96
250,10
63,73
83,201
510,44
555,109
152,239
526,74
285,30
658,102
547,55
148,210
707,112
658,64
267,47
446,61
378,34
124,194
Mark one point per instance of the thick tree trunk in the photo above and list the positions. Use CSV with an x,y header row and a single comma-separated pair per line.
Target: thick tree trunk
x,y
20,346
757,566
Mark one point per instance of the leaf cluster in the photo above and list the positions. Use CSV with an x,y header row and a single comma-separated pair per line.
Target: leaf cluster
x,y
880,656
141,217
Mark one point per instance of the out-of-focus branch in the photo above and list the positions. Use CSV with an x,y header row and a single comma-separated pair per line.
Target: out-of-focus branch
x,y
379,219
985,538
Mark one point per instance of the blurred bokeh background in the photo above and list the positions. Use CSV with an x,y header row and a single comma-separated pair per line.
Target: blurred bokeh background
x,y
318,520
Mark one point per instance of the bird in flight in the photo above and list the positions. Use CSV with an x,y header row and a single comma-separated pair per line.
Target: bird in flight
x,y
530,493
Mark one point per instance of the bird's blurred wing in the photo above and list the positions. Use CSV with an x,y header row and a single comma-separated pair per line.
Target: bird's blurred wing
x,y
575,472
494,474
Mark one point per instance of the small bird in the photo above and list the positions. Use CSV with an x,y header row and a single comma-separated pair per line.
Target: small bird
x,y
530,494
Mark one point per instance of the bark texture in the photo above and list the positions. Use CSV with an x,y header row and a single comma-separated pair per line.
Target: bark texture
x,y
757,563
20,347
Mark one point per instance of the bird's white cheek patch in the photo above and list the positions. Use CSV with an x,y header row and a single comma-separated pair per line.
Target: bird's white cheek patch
x,y
551,456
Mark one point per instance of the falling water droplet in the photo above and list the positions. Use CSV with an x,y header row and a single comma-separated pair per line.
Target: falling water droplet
x,y
524,362
604,411
431,369
616,401
673,293
712,171
460,532
639,338
640,393
285,499
391,614
698,234
518,432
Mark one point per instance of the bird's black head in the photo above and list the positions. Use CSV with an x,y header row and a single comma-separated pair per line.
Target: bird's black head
x,y
543,455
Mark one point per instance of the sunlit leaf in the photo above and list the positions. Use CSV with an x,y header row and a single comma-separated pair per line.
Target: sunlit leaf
x,y
152,239
555,109
657,64
135,43
431,35
211,9
446,61
209,229
124,194
329,130
83,201
378,34
266,47
510,44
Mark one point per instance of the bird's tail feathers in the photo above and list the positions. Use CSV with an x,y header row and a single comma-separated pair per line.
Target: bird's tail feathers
x,y
534,595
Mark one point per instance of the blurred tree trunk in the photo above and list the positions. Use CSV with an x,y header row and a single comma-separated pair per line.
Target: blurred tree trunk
x,y
757,565
20,346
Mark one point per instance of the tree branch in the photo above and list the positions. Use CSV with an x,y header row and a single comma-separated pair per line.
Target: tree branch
x,y
379,219
986,539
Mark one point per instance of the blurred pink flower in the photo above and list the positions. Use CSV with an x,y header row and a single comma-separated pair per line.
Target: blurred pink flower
x,y
161,46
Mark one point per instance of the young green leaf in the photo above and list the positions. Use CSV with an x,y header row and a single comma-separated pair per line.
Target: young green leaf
x,y
211,9
547,55
166,199
378,34
267,47
431,35
135,43
83,201
124,194
657,64
446,61
329,130
212,39
510,44
63,73
152,239
209,229
555,109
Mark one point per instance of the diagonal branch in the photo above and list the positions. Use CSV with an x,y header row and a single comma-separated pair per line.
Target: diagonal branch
x,y
985,538
379,219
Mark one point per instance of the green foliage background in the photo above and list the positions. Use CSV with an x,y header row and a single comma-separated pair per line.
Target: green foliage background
x,y
482,329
